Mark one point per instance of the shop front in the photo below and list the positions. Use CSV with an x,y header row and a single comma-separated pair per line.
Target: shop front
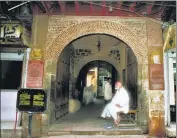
x,y
14,41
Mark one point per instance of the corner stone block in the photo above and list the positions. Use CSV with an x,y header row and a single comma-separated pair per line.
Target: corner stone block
x,y
156,113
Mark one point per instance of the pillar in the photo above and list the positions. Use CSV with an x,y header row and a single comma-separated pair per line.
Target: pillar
x,y
156,80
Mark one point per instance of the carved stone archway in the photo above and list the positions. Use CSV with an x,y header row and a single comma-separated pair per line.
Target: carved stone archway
x,y
92,27
71,33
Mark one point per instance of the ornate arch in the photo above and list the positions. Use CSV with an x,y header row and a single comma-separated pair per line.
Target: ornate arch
x,y
92,27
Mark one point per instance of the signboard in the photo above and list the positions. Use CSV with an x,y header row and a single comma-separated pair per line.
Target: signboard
x,y
155,55
31,100
156,77
35,74
14,33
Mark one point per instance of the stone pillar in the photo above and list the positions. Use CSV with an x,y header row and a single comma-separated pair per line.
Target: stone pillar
x,y
143,107
156,80
50,87
38,47
36,54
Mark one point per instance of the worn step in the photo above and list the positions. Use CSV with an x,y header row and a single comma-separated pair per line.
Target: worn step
x,y
121,130
97,136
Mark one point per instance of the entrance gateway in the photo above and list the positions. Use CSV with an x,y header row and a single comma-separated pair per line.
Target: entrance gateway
x,y
120,30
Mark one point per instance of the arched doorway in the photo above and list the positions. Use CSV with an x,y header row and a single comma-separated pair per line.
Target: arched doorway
x,y
80,56
132,40
102,70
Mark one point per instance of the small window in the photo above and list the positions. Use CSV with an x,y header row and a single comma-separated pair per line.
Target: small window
x,y
11,72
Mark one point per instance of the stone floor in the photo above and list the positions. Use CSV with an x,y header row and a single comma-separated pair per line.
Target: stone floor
x,y
99,136
85,122
86,119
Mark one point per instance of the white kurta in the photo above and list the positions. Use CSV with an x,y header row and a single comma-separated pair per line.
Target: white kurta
x,y
107,91
122,98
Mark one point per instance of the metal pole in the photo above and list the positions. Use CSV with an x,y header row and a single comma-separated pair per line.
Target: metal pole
x,y
30,124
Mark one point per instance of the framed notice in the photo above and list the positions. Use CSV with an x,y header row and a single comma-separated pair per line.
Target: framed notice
x,y
31,100
35,74
156,77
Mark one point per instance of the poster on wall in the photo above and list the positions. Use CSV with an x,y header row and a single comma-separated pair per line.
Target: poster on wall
x,y
156,77
35,74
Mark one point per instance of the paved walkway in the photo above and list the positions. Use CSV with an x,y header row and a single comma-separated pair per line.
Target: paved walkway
x,y
84,123
86,120
99,136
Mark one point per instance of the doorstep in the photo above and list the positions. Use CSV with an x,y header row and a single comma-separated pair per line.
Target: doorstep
x,y
121,130
7,129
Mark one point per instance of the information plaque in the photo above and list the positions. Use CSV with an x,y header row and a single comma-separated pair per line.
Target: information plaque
x,y
31,100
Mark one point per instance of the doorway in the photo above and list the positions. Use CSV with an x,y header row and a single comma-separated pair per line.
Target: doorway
x,y
96,72
90,60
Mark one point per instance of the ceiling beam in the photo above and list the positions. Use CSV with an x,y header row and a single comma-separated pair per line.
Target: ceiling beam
x,y
35,9
91,7
149,8
103,11
119,5
76,7
45,6
62,6
132,7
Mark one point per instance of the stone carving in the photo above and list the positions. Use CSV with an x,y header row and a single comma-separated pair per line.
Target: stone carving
x,y
36,54
90,27
154,32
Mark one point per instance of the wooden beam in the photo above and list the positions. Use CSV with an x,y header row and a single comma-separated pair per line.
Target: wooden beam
x,y
45,6
149,8
132,6
103,11
76,7
62,6
119,4
35,9
91,7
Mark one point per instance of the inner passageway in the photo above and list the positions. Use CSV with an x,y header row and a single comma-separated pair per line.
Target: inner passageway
x,y
86,120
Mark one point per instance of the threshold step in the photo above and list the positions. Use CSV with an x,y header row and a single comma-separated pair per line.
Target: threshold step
x,y
97,136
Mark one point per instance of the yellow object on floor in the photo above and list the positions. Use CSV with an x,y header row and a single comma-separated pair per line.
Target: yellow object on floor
x,y
74,105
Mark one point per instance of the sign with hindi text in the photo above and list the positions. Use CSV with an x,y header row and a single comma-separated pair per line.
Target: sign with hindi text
x,y
35,74
31,100
156,77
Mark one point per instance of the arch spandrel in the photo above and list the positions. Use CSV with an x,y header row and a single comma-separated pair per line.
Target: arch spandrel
x,y
92,27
